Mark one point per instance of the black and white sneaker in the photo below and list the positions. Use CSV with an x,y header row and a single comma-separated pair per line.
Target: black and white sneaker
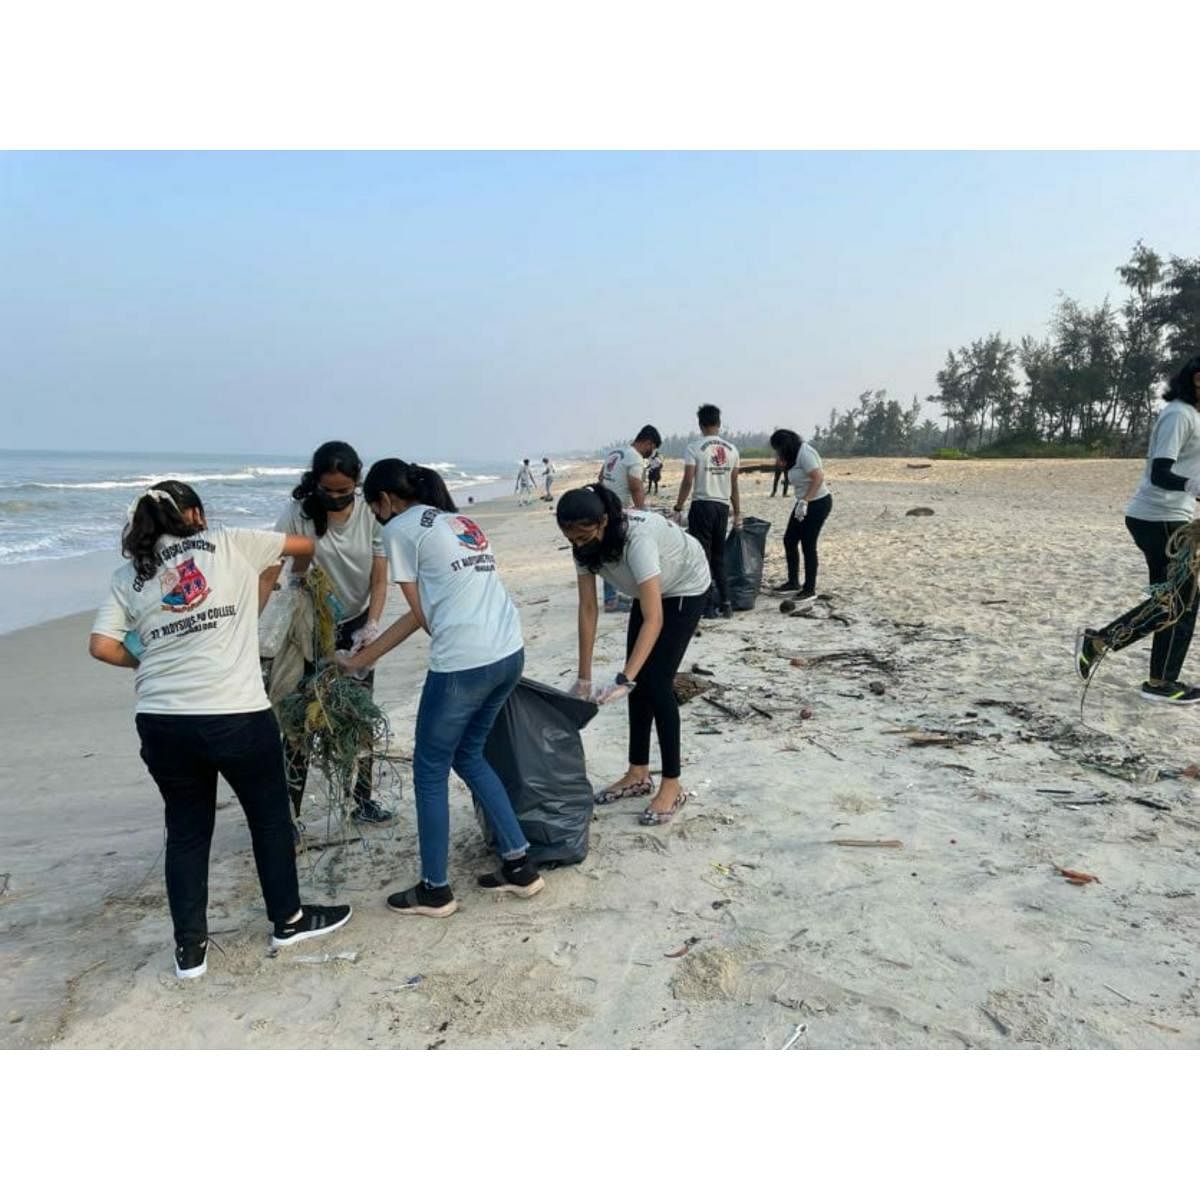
x,y
786,587
1170,693
520,877
371,812
191,961
421,900
1086,653
316,920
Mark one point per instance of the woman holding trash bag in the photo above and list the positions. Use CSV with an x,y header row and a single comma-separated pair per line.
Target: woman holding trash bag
x,y
349,549
813,504
190,594
646,556
444,566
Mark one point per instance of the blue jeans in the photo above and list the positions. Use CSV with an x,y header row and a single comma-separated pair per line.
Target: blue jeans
x,y
610,592
457,712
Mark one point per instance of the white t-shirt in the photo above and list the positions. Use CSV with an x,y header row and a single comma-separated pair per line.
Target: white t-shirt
x,y
547,471
619,467
471,619
656,546
1176,434
197,618
346,553
807,461
715,461
524,478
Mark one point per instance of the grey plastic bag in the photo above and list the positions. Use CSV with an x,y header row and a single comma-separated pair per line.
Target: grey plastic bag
x,y
745,550
536,750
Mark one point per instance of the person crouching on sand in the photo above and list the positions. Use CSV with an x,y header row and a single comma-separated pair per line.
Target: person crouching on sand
x,y
646,556
190,593
447,572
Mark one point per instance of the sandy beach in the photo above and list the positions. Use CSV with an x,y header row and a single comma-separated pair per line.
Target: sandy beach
x,y
934,710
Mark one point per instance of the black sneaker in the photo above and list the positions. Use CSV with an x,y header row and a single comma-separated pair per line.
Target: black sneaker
x,y
520,877
191,961
1170,693
424,901
1086,653
786,588
371,812
316,920
725,612
806,593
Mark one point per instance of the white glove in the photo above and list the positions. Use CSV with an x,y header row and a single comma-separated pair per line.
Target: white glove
x,y
801,510
581,689
613,692
364,636
342,658
1192,487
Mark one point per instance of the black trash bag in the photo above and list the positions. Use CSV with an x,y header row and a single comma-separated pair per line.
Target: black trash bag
x,y
745,550
536,750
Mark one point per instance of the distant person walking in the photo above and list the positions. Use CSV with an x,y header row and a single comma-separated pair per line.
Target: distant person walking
x,y
547,479
1163,504
622,475
654,472
525,485
190,595
710,467
813,505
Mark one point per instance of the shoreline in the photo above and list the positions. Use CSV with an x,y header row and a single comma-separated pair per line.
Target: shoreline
x,y
777,898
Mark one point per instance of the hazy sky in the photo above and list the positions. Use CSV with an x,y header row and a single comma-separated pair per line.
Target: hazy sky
x,y
490,305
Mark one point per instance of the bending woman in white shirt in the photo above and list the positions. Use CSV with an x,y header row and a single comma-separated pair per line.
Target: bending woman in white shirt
x,y
813,505
445,568
190,595
646,556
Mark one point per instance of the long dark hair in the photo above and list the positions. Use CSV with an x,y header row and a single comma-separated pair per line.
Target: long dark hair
x,y
589,506
408,481
1182,385
786,443
154,518
330,458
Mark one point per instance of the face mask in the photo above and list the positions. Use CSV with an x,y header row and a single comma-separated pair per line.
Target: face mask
x,y
335,503
382,520
590,554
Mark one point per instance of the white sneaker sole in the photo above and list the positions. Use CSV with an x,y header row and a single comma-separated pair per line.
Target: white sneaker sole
x,y
279,943
526,892
1167,700
447,910
191,972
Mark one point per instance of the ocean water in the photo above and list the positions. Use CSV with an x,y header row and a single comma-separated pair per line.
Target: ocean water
x,y
65,505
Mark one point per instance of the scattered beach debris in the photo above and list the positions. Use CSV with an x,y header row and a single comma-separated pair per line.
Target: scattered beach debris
x,y
993,602
410,982
919,512
697,669
868,843
1191,771
692,941
339,956
918,466
787,606
1164,1028
798,662
876,687
1078,878
995,1020
1127,999
688,687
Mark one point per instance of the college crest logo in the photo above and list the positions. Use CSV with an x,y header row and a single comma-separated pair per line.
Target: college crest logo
x,y
183,587
611,464
718,458
470,535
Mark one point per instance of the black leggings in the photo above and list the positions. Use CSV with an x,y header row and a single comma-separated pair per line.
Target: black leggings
x,y
297,754
185,755
708,521
653,701
1170,645
803,535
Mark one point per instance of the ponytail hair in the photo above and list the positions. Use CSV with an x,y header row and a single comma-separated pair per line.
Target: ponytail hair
x,y
155,515
786,443
330,458
589,506
1182,385
408,481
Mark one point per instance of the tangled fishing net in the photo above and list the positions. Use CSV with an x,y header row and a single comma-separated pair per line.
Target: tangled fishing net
x,y
1166,602
333,718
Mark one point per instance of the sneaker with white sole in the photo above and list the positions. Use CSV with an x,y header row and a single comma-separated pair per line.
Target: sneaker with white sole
x,y
316,920
191,961
1170,693
520,877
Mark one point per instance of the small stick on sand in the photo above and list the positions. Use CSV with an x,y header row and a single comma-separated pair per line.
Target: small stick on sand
x,y
1114,991
867,843
797,1034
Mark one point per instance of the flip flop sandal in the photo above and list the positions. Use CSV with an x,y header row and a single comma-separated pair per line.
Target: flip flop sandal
x,y
624,793
650,817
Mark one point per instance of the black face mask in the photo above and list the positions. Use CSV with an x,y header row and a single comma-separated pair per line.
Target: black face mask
x,y
382,520
334,503
591,554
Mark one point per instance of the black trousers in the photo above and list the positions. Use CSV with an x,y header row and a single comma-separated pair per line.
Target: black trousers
x,y
780,473
297,755
708,521
802,536
1170,645
652,701
655,476
185,755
